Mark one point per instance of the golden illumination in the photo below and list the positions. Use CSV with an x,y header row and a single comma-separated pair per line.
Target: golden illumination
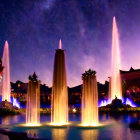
x,y
74,110
33,102
31,124
18,84
59,124
89,99
59,134
59,102
91,125
90,134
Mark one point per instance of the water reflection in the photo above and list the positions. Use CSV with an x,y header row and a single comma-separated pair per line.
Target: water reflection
x,y
104,116
129,136
118,130
59,134
118,133
121,132
32,133
3,137
6,120
90,134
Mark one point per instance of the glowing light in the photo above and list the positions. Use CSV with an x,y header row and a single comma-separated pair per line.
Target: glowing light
x,y
115,80
74,110
129,102
33,102
104,103
59,103
6,74
15,102
89,99
18,84
31,125
94,124
59,124
60,44
91,125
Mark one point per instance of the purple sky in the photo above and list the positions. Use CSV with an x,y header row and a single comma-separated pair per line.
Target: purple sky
x,y
33,29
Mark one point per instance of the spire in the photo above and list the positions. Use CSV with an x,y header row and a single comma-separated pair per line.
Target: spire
x,y
60,44
114,18
114,24
6,43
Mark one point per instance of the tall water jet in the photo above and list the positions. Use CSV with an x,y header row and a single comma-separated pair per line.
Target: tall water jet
x,y
59,102
89,99
115,72
6,88
33,102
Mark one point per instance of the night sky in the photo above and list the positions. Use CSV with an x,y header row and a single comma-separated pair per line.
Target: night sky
x,y
33,29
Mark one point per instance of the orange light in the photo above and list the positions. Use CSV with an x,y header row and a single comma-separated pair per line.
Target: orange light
x,y
74,110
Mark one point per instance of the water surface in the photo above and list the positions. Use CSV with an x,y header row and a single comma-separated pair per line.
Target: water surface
x,y
119,130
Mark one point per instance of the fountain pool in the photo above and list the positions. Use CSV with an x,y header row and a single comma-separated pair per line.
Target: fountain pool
x,y
119,130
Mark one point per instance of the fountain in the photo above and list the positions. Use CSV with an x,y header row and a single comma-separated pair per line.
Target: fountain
x,y
115,90
7,100
59,102
89,99
6,74
59,107
33,102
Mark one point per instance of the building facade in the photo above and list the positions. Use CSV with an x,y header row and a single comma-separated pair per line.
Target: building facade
x,y
131,84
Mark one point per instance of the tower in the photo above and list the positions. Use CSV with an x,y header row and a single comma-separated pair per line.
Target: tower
x,y
59,102
33,101
116,89
6,87
89,99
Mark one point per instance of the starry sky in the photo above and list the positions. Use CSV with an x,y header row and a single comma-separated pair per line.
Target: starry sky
x,y
33,29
